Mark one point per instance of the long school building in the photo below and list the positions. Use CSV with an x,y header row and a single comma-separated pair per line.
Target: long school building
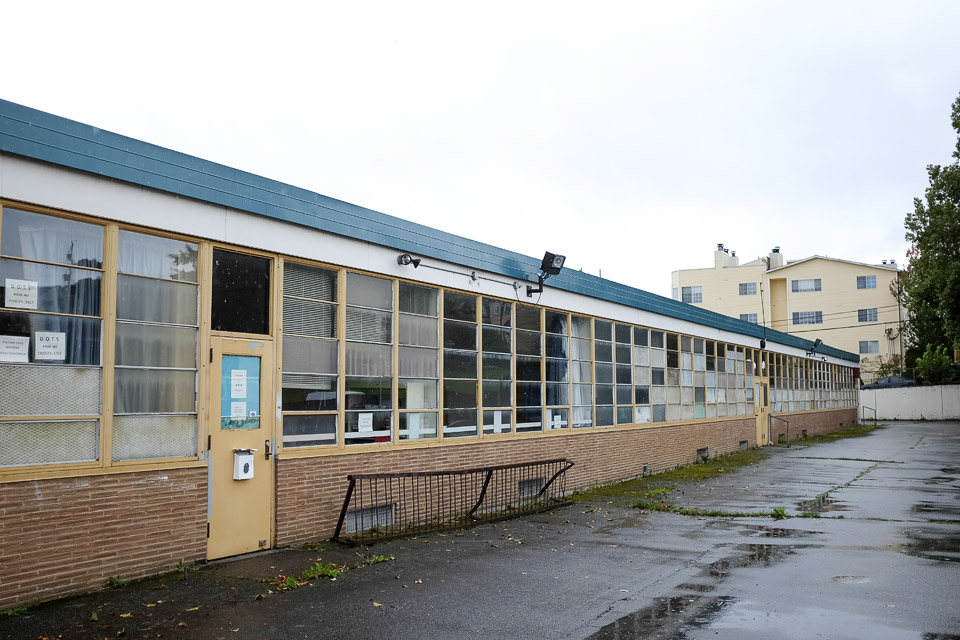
x,y
161,312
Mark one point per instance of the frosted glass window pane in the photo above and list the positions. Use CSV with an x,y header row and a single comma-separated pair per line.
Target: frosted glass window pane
x,y
659,413
658,395
156,300
418,331
156,346
308,318
580,327
459,307
309,430
418,363
642,415
418,426
49,390
604,416
369,325
497,312
152,437
369,359
154,391
29,443
419,300
658,359
417,394
604,373
314,283
307,355
624,415
156,257
641,375
58,289
39,237
580,348
367,291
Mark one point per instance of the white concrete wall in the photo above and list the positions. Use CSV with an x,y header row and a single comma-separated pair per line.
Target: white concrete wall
x,y
912,403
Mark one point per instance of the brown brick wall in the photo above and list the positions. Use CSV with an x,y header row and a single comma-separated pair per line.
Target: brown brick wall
x,y
815,423
65,536
310,491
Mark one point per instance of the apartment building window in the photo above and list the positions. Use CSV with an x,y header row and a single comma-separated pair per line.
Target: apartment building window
x,y
808,317
748,288
749,317
866,315
802,286
693,295
869,346
866,282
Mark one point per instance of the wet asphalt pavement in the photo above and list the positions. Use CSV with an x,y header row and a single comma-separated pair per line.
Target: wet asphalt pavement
x,y
880,563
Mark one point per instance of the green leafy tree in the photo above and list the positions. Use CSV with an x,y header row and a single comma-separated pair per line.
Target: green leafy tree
x,y
934,366
932,283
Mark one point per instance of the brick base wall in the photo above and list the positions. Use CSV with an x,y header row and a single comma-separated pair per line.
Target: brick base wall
x,y
65,536
310,491
815,423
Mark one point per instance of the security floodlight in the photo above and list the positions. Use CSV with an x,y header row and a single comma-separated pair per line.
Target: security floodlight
x,y
817,343
405,259
550,266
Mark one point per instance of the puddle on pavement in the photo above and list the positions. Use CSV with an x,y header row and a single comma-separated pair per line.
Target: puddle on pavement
x,y
762,531
665,618
935,507
851,579
755,555
822,505
700,588
626,523
940,548
955,471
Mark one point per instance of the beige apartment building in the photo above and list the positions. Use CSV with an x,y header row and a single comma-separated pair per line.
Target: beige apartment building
x,y
841,302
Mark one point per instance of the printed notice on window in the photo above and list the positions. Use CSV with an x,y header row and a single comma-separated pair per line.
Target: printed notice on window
x,y
19,294
14,349
238,383
365,422
48,345
238,410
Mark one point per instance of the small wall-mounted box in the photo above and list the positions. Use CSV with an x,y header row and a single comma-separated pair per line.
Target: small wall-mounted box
x,y
242,464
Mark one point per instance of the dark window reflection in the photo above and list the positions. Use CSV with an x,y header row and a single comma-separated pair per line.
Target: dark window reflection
x,y
241,293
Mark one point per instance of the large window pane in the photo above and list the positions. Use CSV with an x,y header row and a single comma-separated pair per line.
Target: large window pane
x,y
496,339
309,430
40,237
309,392
307,355
241,293
367,394
369,359
419,300
145,437
369,325
157,257
459,335
154,391
416,362
56,289
459,394
156,346
152,300
497,312
459,307
50,339
420,331
309,318
417,394
302,281
47,442
367,291
418,426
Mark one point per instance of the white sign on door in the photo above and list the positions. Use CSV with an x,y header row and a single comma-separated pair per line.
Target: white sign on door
x,y
238,383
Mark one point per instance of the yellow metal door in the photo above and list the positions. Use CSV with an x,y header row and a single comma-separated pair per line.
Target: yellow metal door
x,y
762,402
241,423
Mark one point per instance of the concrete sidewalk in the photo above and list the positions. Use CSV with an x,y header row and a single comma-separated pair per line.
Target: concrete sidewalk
x,y
886,569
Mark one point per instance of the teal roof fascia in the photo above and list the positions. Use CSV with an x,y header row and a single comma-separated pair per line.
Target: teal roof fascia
x,y
48,138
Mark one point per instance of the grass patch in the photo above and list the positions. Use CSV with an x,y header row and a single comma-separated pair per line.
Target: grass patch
x,y
115,583
665,481
16,611
778,513
851,431
366,560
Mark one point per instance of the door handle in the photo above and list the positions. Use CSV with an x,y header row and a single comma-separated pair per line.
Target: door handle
x,y
266,445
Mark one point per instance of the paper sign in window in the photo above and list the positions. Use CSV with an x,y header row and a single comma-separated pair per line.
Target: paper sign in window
x,y
365,422
19,294
48,345
240,392
14,349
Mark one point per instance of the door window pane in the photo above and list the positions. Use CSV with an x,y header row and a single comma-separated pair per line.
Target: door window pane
x,y
241,293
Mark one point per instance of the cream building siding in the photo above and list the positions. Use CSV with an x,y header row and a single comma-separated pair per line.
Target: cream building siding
x,y
848,316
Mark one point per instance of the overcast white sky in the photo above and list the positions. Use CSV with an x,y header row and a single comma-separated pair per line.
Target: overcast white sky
x,y
631,137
